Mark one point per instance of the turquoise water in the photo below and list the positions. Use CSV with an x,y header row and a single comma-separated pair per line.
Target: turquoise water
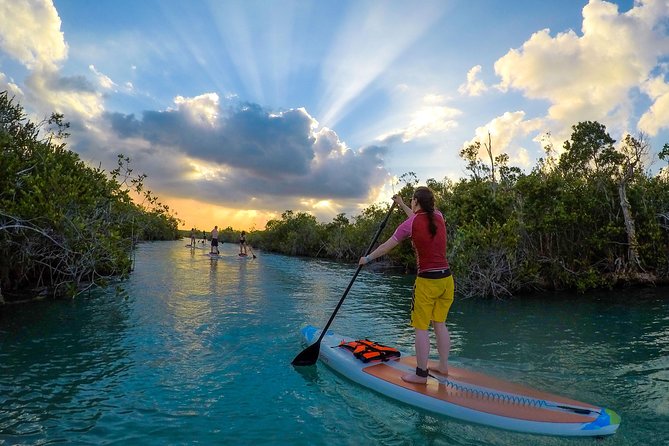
x,y
197,351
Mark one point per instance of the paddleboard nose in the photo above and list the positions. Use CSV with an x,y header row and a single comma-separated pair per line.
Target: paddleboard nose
x,y
309,333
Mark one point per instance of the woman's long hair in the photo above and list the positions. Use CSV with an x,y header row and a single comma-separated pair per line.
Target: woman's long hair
x,y
425,199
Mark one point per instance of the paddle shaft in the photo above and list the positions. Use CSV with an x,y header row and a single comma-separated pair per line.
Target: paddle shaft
x,y
357,271
252,253
304,358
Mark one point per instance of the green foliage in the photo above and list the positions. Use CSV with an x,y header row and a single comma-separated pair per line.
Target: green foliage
x,y
63,224
591,218
300,234
296,234
562,226
227,235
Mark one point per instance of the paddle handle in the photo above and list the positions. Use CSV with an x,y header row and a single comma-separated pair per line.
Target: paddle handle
x,y
357,271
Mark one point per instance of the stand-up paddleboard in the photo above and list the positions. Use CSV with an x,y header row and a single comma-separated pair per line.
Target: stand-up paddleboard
x,y
468,395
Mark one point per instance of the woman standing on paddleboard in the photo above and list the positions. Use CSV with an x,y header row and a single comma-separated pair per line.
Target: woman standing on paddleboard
x,y
434,287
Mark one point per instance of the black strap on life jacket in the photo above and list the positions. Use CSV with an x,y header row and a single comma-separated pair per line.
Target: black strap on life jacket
x,y
366,350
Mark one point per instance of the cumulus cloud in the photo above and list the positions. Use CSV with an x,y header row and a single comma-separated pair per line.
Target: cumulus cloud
x,y
30,33
73,96
236,154
657,116
259,154
473,86
592,75
10,86
505,132
202,109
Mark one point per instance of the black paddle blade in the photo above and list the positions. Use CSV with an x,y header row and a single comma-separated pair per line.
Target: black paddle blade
x,y
308,356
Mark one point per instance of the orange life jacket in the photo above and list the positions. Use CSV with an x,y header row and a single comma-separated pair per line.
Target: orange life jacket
x,y
366,350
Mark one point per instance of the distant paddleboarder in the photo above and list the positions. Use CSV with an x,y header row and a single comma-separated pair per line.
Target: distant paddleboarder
x,y
214,240
242,244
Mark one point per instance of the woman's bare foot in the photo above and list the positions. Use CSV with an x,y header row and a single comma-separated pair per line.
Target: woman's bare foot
x,y
414,379
440,370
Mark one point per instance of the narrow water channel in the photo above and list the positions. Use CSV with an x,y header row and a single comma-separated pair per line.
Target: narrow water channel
x,y
192,350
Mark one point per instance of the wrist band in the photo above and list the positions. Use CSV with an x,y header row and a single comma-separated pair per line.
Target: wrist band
x,y
367,259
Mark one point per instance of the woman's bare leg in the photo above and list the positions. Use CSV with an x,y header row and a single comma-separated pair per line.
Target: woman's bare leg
x,y
443,345
422,354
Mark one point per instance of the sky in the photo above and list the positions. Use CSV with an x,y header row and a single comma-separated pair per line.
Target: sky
x,y
238,110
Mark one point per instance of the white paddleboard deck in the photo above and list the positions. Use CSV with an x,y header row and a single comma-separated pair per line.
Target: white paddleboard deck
x,y
468,395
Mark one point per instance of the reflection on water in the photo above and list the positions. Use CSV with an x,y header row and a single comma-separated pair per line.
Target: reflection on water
x,y
53,363
194,349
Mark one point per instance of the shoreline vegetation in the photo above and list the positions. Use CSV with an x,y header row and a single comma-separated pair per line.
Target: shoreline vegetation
x,y
590,217
64,226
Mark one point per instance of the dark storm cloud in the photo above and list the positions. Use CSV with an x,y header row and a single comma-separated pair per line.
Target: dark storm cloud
x,y
345,177
268,144
247,137
71,83
53,81
270,154
126,126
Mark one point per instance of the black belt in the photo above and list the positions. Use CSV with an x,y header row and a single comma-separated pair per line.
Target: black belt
x,y
439,274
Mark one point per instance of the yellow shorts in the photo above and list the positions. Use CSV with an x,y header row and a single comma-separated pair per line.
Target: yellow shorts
x,y
431,300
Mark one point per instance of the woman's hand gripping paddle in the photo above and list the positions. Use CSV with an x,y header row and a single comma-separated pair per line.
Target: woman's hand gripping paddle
x,y
309,355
